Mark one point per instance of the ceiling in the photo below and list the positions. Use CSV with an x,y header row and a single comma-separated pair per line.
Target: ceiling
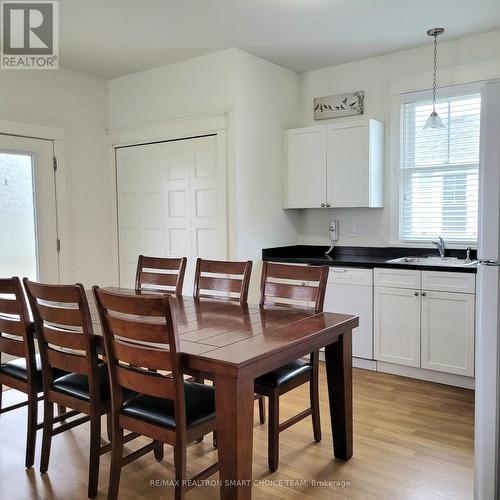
x,y
110,38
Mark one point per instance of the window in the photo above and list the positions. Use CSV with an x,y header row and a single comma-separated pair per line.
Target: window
x,y
438,176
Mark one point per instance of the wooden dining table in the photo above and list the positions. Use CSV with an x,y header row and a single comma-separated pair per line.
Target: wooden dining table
x,y
232,344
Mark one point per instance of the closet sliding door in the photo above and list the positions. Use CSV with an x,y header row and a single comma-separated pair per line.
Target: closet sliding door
x,y
171,203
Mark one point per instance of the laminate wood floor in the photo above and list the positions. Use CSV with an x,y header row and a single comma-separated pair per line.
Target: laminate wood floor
x,y
412,440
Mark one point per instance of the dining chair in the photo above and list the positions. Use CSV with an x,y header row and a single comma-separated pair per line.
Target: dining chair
x,y
24,373
67,342
222,279
279,285
142,348
226,280
160,274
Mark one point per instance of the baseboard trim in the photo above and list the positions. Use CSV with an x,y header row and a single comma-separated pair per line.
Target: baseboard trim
x,y
428,375
366,364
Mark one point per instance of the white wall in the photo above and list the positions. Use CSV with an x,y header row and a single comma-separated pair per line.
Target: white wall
x,y
198,86
77,103
373,76
261,99
266,97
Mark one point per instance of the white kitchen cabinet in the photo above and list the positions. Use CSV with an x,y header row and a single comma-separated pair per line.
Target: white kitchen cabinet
x,y
334,166
355,164
396,325
429,326
448,332
305,176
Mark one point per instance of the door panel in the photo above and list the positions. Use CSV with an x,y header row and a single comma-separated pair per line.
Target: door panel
x,y
396,319
169,204
448,332
28,219
348,166
306,168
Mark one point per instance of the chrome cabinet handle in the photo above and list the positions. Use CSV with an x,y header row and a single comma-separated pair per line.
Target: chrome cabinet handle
x,y
423,294
416,294
328,205
322,205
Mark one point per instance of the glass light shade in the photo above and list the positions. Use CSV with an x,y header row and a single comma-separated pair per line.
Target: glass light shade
x,y
434,121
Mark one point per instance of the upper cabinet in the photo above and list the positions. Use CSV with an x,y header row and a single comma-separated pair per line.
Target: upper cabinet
x,y
335,166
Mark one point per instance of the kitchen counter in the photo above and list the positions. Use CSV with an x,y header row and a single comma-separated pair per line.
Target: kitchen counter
x,y
367,257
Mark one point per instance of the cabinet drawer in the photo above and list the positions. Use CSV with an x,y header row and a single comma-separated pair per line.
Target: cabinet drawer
x,y
397,278
448,282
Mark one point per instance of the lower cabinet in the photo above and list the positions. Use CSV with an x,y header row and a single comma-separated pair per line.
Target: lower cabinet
x,y
448,332
396,322
425,327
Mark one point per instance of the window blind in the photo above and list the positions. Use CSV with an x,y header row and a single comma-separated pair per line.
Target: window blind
x,y
439,171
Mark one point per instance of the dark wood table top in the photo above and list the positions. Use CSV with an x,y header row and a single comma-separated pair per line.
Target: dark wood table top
x,y
225,332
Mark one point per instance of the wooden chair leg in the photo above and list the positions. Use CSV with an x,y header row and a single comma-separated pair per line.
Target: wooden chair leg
x,y
116,464
95,448
180,471
199,380
314,397
158,451
61,410
262,410
48,423
32,422
273,431
109,426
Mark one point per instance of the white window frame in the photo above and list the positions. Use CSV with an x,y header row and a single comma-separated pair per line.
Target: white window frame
x,y
397,102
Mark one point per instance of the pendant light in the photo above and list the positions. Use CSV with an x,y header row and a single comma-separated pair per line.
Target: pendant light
x,y
434,121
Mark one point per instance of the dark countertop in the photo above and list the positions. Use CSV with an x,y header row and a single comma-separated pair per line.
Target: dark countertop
x,y
367,257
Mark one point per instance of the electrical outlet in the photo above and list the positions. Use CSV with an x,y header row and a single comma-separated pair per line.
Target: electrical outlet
x,y
351,230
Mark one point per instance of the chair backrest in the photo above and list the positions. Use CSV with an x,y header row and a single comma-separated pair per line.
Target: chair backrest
x,y
222,279
16,329
140,337
160,274
64,330
279,285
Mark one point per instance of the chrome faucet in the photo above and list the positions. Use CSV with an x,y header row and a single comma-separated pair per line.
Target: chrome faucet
x,y
440,246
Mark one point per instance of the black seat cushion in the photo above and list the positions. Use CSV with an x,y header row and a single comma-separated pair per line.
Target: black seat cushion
x,y
200,407
77,385
284,374
17,369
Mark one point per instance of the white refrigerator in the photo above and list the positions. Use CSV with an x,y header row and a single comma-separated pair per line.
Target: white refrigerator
x,y
488,301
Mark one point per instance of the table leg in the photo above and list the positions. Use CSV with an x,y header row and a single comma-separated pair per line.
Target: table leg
x,y
338,358
234,401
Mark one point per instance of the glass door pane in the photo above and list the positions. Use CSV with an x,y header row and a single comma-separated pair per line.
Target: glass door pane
x,y
18,248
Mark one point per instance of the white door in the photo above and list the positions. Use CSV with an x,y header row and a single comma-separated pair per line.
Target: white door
x,y
28,220
448,332
348,166
396,325
306,168
171,203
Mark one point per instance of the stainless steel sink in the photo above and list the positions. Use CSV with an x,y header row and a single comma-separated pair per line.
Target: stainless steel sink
x,y
434,261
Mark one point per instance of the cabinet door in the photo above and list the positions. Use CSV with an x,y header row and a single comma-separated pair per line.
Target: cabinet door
x,y
448,332
396,320
305,168
348,166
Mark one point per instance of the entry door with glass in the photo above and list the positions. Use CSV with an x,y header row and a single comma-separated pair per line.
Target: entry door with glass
x,y
28,220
